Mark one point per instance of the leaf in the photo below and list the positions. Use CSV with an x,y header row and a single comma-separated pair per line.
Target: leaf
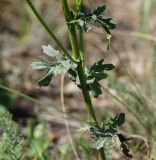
x,y
45,81
98,76
39,65
99,66
60,66
108,131
43,64
83,24
95,89
100,143
109,23
106,24
120,119
95,74
48,50
74,76
83,18
99,10
63,66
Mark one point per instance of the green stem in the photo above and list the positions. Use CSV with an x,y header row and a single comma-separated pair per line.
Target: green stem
x,y
80,69
82,47
72,31
15,92
49,30
101,154
86,94
76,55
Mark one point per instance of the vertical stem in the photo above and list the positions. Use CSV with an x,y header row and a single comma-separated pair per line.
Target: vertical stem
x,y
76,55
101,154
81,46
80,69
71,28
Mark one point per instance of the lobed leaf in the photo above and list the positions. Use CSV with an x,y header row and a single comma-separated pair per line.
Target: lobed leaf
x,y
83,18
100,67
59,67
108,131
95,74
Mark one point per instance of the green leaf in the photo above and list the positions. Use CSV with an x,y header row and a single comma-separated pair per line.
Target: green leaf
x,y
98,76
99,66
108,22
74,76
83,18
95,74
95,89
120,119
108,131
45,81
99,10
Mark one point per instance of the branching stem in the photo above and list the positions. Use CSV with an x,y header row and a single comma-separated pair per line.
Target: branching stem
x,y
78,56
80,69
49,31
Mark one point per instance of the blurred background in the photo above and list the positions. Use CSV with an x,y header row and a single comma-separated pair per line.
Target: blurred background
x,y
130,87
